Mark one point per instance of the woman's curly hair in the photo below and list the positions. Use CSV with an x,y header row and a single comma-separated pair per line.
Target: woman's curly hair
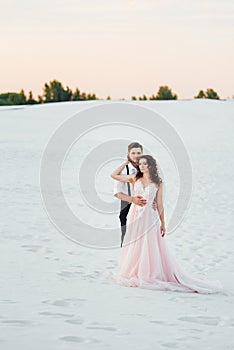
x,y
153,169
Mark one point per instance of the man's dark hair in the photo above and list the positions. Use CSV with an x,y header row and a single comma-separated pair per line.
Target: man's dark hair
x,y
135,145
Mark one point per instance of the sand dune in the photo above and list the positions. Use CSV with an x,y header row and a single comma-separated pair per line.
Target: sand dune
x,y
51,293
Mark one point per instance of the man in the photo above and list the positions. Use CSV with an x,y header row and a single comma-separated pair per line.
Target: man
x,y
124,190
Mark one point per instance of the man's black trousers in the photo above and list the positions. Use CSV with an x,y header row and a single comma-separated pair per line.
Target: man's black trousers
x,y
125,206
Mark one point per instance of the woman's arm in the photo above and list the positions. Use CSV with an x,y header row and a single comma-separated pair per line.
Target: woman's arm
x,y
123,178
160,208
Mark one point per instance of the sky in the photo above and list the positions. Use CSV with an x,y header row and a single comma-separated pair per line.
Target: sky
x,y
118,48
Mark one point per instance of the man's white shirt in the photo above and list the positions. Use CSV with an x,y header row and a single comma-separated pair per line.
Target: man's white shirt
x,y
120,186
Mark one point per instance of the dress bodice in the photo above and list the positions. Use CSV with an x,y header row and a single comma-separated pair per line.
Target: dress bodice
x,y
148,192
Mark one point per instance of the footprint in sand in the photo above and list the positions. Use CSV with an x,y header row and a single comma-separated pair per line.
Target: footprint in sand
x,y
8,301
96,325
32,248
75,321
170,345
157,322
62,302
55,314
75,339
210,321
69,274
20,323
65,302
104,328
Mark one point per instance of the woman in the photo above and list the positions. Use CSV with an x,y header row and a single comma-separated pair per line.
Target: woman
x,y
145,260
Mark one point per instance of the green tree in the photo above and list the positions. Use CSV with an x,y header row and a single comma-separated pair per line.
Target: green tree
x,y
76,95
201,94
40,98
47,93
91,97
210,93
143,98
13,98
164,93
83,96
30,100
55,92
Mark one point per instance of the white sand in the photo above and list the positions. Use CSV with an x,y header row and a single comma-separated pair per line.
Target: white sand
x,y
51,296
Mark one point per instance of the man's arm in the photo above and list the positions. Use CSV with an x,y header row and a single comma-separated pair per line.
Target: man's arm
x,y
138,200
123,197
122,177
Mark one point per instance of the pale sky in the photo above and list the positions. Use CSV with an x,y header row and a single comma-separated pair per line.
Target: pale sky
x,y
118,48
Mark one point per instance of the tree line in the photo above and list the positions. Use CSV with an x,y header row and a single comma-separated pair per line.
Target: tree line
x,y
54,91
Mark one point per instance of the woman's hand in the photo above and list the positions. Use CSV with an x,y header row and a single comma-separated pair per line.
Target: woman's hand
x,y
163,229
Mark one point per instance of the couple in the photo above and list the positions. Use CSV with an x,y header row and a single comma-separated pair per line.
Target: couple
x,y
145,260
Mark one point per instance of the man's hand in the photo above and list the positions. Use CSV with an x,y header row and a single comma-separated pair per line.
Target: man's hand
x,y
154,205
139,200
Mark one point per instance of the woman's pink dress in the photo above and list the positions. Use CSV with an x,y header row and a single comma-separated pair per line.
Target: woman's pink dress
x,y
145,259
